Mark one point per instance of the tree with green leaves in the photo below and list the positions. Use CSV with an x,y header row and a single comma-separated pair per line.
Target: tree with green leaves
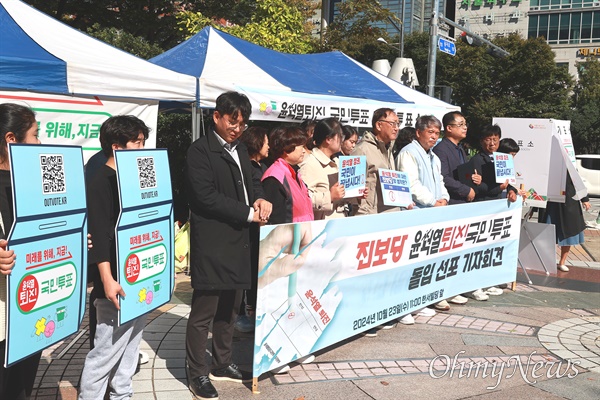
x,y
584,114
135,45
353,32
153,20
276,24
525,84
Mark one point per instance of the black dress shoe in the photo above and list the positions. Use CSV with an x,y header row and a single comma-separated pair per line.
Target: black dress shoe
x,y
203,389
230,373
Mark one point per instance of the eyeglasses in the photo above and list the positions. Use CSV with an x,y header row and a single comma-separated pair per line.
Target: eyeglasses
x,y
232,127
393,124
461,125
490,140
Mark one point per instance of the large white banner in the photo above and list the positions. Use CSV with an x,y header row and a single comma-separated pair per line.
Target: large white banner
x,y
324,281
76,120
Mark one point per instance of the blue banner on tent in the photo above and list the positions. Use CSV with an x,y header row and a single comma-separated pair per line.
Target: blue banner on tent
x,y
46,290
144,231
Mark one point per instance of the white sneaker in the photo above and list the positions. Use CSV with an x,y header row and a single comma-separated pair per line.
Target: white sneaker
x,y
494,291
143,358
478,295
407,320
281,370
458,300
426,312
563,268
306,359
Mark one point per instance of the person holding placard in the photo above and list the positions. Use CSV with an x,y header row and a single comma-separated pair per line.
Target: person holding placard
x,y
482,163
377,147
17,125
320,172
114,358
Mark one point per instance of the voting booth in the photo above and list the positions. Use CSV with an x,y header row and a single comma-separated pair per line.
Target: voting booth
x,y
546,154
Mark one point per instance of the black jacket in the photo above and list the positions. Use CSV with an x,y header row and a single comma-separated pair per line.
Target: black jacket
x,y
220,242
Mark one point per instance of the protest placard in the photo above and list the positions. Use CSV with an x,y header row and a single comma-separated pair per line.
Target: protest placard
x,y
46,290
144,232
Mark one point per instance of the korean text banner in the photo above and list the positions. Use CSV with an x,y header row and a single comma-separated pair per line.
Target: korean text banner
x,y
47,287
353,274
352,175
145,237
76,120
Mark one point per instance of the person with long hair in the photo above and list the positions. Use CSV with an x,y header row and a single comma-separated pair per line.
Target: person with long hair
x,y
319,171
17,125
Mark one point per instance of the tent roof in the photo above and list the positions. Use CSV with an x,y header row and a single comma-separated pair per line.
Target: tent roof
x,y
39,53
223,62
218,56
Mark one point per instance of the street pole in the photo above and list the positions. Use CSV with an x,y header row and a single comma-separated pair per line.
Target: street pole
x,y
433,39
402,32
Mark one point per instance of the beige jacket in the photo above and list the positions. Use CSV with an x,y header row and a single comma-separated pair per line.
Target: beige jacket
x,y
319,173
377,157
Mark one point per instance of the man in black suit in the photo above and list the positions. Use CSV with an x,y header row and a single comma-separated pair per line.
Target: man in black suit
x,y
224,199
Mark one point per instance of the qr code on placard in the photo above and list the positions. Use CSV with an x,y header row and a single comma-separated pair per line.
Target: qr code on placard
x,y
53,173
146,172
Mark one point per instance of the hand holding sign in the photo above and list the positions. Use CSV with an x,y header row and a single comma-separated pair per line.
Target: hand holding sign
x,y
337,192
7,258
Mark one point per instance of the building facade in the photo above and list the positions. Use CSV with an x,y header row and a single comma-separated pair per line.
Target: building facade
x,y
571,27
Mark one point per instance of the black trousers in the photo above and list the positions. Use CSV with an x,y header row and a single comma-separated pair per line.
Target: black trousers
x,y
16,381
220,307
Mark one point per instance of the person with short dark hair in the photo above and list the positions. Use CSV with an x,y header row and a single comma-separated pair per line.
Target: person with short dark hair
x,y
256,139
225,199
282,184
508,146
452,154
114,358
489,189
405,136
308,127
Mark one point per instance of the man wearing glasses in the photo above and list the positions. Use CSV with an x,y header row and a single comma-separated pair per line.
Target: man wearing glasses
x,y
452,154
224,199
376,146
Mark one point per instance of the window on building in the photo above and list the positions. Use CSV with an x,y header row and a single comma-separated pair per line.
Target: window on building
x,y
533,27
543,26
596,29
575,28
586,27
563,34
553,29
